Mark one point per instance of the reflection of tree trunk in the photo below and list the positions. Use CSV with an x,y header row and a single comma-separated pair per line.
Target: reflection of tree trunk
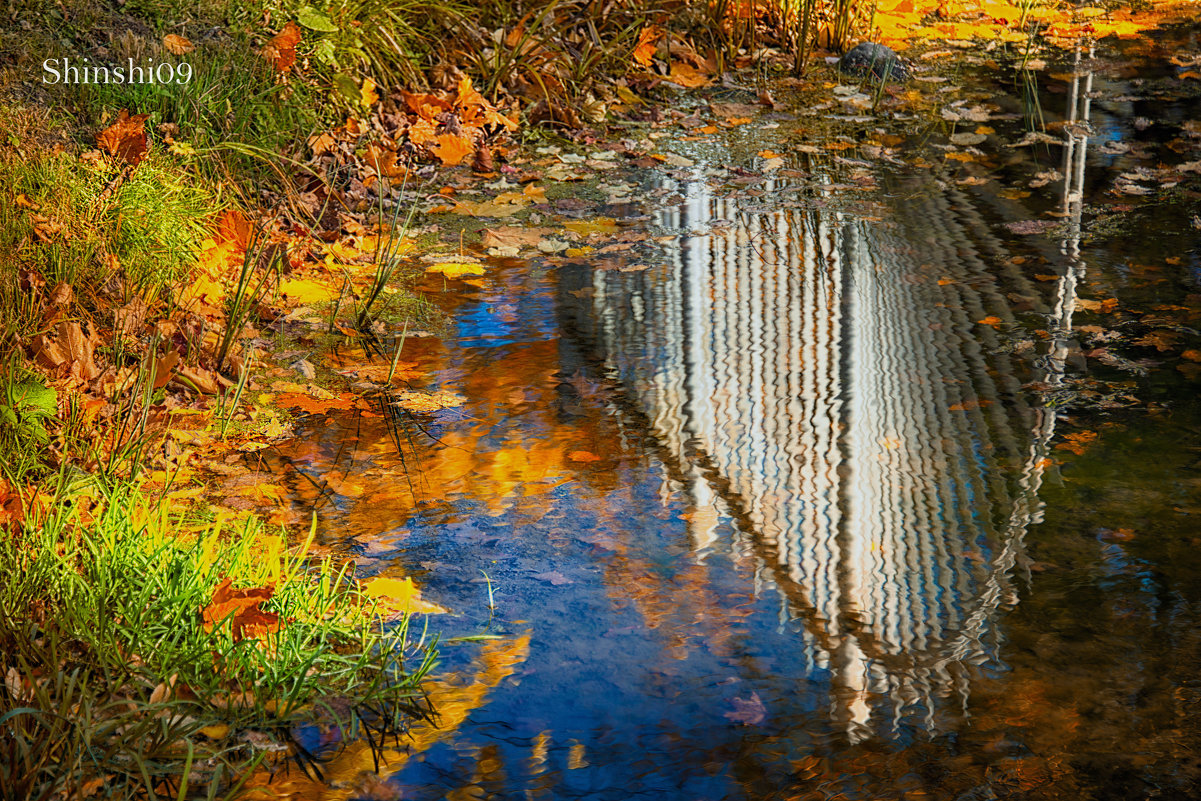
x,y
827,382
1075,151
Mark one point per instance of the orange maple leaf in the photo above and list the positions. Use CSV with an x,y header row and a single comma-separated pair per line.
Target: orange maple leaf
x,y
234,228
281,50
425,106
451,149
125,138
648,41
241,608
422,132
307,403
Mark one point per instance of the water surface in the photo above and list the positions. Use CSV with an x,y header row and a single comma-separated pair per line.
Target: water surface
x,y
833,487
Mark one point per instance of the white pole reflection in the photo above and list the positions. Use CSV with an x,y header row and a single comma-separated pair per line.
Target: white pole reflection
x,y
834,374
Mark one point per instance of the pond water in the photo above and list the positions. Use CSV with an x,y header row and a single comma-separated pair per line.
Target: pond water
x,y
836,483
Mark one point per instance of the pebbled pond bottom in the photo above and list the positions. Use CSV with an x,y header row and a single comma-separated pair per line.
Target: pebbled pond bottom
x,y
815,498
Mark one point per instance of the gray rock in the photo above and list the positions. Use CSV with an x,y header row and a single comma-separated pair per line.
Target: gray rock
x,y
881,62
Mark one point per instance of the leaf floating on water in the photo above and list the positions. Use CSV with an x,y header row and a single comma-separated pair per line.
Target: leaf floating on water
x,y
583,456
454,269
601,225
315,405
428,401
399,595
554,577
749,712
1104,306
1031,226
1077,442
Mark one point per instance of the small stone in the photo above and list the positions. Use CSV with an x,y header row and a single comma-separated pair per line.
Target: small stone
x,y
881,62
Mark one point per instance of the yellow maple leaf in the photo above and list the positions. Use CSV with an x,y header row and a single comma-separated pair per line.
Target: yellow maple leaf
x,y
399,595
427,401
454,269
451,149
601,225
367,93
302,290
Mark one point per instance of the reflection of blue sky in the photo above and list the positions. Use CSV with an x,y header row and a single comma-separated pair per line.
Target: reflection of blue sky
x,y
527,317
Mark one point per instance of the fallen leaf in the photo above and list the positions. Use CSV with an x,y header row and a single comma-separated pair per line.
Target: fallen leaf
x,y
241,608
280,52
455,269
513,236
687,75
748,712
177,45
427,401
314,405
451,149
554,577
367,94
400,595
125,138
648,40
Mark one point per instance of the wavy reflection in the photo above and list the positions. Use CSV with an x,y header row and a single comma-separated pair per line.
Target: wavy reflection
x,y
836,385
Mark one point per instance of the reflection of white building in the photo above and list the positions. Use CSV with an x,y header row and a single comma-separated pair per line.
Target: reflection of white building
x,y
825,381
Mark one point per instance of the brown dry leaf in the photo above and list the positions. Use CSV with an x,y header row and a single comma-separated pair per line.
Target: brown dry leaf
x,y
514,236
280,52
476,111
164,690
79,350
177,45
425,106
227,602
321,143
487,208
687,75
253,624
405,371
204,381
125,138
164,367
451,149
44,228
734,111
990,320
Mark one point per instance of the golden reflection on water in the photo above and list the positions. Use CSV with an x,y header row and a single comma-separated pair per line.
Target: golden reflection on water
x,y
453,698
